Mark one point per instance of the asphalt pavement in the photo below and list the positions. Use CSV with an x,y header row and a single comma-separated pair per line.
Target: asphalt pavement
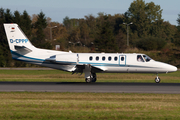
x,y
99,87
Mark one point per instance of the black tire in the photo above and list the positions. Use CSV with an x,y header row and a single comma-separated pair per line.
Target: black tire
x,y
94,80
157,80
94,77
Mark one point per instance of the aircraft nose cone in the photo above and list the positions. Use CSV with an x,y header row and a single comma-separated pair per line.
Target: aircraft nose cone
x,y
172,69
175,68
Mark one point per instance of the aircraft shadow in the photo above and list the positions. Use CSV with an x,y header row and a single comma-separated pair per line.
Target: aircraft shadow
x,y
96,83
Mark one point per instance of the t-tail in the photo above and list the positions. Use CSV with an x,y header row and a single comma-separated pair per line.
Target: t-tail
x,y
17,40
22,50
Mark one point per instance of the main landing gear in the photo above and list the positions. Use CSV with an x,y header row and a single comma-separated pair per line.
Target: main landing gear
x,y
91,78
157,79
90,75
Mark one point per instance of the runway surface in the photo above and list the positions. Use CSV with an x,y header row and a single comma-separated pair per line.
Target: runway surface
x,y
90,87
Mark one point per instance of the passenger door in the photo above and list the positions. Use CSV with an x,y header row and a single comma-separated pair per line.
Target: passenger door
x,y
122,60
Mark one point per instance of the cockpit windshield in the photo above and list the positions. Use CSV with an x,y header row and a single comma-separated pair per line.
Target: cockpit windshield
x,y
147,58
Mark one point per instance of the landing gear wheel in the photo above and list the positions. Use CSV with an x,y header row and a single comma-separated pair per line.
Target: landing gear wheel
x,y
92,78
157,80
88,80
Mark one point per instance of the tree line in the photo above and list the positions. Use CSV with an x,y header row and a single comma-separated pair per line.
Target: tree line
x,y
104,33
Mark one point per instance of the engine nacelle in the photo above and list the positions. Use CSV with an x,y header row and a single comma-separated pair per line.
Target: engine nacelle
x,y
67,58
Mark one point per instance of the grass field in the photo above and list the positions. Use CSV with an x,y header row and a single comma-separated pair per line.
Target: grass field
x,y
60,76
87,106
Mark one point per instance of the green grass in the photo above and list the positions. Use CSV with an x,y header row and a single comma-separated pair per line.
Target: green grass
x,y
88,106
60,76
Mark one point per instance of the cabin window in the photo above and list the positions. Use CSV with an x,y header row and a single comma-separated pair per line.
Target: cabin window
x,y
147,58
115,58
90,58
103,58
122,58
139,58
109,58
97,58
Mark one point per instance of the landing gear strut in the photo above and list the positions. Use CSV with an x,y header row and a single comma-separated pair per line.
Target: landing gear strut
x,y
157,79
91,78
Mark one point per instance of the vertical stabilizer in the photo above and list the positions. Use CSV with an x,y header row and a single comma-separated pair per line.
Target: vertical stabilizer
x,y
17,40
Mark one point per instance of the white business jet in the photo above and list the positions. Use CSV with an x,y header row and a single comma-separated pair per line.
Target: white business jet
x,y
88,63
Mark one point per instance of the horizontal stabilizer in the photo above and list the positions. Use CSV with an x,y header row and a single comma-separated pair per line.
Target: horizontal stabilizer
x,y
20,48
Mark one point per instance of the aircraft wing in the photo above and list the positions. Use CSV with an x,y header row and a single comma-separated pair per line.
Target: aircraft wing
x,y
80,68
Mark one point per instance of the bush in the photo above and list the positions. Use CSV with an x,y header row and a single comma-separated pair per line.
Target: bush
x,y
151,43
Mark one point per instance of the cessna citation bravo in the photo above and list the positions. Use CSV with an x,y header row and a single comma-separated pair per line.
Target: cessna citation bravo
x,y
88,63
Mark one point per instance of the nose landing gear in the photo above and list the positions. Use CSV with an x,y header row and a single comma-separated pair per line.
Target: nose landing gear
x,y
157,79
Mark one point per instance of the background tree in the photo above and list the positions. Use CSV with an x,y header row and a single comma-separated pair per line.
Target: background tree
x,y
26,24
3,42
142,15
40,25
91,22
84,32
8,16
67,23
177,35
17,17
5,17
105,40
